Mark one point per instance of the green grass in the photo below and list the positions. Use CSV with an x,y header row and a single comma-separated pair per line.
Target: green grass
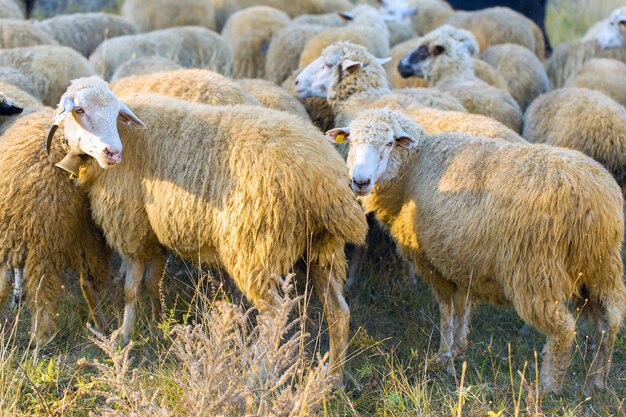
x,y
568,20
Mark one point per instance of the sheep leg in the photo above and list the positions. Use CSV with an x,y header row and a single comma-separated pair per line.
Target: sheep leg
x,y
462,313
132,290
337,314
359,255
121,273
43,290
93,300
17,288
6,281
154,277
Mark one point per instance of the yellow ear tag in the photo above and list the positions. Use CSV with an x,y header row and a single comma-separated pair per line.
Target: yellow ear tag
x,y
339,138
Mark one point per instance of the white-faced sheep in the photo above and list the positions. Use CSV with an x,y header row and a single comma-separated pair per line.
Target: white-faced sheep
x,y
352,79
151,15
609,33
248,33
248,188
145,65
367,26
194,85
446,64
85,31
273,97
318,109
45,225
524,73
581,119
224,8
50,68
602,74
447,201
189,46
19,33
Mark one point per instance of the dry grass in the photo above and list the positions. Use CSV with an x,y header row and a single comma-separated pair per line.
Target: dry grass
x,y
568,20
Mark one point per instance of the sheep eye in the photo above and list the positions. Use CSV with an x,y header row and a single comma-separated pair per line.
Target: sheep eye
x,y
438,50
389,145
79,110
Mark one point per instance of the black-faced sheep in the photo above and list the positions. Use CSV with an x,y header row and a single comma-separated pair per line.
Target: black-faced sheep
x,y
248,188
447,201
45,225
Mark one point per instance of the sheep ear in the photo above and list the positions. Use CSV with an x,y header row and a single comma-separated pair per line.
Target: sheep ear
x,y
127,117
338,135
349,66
406,141
383,61
346,16
66,106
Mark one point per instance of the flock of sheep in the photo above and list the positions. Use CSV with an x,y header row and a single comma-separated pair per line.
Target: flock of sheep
x,y
450,126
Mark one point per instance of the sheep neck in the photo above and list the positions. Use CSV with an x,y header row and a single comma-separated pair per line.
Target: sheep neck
x,y
457,71
365,84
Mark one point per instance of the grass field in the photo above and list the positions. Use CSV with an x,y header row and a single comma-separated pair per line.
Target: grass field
x,y
202,357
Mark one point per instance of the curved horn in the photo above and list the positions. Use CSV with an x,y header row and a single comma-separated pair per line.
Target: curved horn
x,y
48,141
67,103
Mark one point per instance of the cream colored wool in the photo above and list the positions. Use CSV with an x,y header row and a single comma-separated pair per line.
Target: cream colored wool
x,y
18,33
497,25
9,9
18,97
448,203
251,189
283,54
399,31
85,31
442,121
18,79
193,85
49,67
273,97
524,73
248,33
430,15
318,108
568,57
367,28
143,66
225,8
605,75
452,72
581,119
151,15
45,225
188,46
368,87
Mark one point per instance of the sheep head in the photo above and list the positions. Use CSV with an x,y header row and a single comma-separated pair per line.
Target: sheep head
x,y
377,139
89,112
613,34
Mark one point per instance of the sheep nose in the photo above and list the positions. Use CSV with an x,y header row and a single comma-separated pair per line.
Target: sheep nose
x,y
361,182
297,82
112,155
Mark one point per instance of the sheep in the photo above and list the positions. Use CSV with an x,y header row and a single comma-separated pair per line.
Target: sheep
x,y
524,73
446,64
367,27
604,75
85,31
8,107
224,8
610,33
13,101
248,188
145,65
447,201
19,33
430,15
273,97
194,85
10,10
248,34
45,226
49,67
352,79
18,79
581,119
285,47
150,15
191,47
318,109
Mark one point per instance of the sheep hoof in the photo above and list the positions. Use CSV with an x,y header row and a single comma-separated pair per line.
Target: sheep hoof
x,y
442,359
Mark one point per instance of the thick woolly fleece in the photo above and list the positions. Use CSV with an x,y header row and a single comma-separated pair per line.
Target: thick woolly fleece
x,y
85,31
449,206
45,223
151,15
604,75
194,85
581,119
188,46
452,71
